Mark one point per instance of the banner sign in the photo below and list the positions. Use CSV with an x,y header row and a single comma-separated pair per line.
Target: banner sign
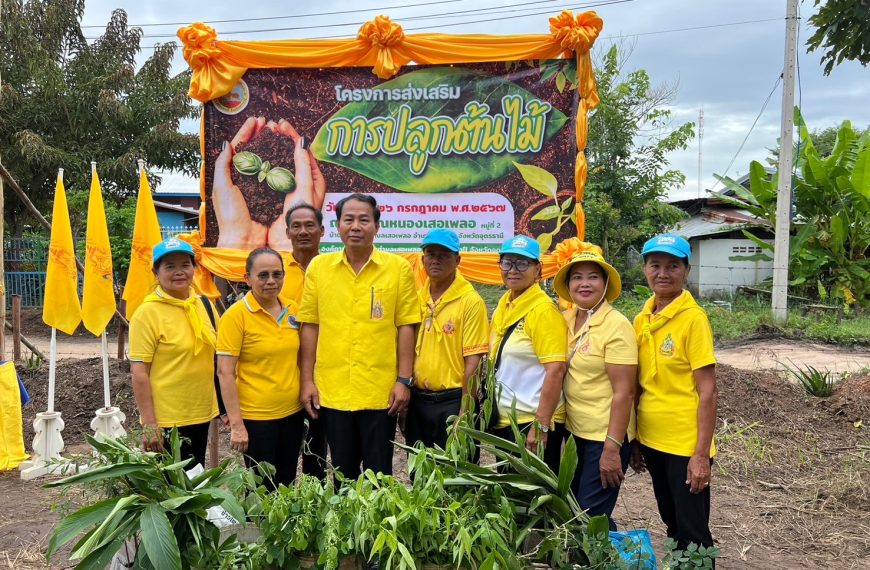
x,y
485,149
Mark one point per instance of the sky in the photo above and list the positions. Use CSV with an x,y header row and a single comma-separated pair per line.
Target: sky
x,y
728,64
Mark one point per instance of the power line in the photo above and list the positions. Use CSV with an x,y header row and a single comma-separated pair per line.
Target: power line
x,y
494,9
746,138
705,27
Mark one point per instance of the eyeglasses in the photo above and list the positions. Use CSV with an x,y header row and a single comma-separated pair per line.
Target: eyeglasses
x,y
264,275
518,264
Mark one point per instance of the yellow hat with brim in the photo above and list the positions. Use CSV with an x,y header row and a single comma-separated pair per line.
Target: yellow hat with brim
x,y
614,281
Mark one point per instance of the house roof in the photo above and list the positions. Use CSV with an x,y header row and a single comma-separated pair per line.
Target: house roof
x,y
716,221
176,208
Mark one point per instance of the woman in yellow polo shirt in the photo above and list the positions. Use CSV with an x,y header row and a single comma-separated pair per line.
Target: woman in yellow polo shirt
x,y
676,412
602,375
528,344
172,344
258,343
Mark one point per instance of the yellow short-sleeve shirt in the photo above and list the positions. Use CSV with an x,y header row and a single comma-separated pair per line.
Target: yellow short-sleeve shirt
x,y
182,383
294,279
588,392
682,341
267,372
453,327
358,317
539,339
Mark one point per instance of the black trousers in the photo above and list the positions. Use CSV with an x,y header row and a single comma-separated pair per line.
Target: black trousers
x,y
194,439
555,438
276,442
592,496
686,515
363,437
427,416
314,449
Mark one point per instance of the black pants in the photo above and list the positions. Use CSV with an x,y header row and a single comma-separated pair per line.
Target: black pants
x,y
361,437
555,438
592,496
427,416
314,449
276,442
686,515
194,439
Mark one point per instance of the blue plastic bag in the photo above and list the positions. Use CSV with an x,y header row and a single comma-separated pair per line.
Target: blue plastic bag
x,y
635,548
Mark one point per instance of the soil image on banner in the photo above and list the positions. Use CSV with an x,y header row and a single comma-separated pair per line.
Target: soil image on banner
x,y
485,149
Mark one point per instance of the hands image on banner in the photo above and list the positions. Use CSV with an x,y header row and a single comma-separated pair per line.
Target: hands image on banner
x,y
236,228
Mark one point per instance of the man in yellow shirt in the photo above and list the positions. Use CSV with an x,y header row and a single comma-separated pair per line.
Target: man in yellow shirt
x,y
305,230
450,342
359,310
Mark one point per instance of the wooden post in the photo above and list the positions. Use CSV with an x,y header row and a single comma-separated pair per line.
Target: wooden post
x,y
122,331
16,327
2,274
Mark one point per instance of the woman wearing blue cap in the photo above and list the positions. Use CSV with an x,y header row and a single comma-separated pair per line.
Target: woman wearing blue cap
x,y
676,412
172,351
529,348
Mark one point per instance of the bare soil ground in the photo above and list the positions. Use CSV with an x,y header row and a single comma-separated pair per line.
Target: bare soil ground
x,y
791,482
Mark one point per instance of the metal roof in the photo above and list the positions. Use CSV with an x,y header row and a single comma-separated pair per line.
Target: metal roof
x,y
716,221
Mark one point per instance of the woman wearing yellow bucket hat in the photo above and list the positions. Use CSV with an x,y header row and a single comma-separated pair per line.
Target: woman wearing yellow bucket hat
x,y
600,383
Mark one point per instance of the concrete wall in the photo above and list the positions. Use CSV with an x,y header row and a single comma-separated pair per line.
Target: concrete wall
x,y
715,275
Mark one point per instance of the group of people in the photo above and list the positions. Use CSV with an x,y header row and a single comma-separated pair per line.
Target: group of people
x,y
331,350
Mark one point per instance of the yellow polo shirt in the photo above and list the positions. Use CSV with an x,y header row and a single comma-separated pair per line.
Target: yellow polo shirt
x,y
294,278
680,341
358,315
267,372
541,338
182,383
609,339
453,327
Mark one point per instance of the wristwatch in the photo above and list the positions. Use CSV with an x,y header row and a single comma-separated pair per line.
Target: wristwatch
x,y
406,381
545,428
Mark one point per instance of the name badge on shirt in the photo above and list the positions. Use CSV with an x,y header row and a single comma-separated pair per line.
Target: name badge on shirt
x,y
291,320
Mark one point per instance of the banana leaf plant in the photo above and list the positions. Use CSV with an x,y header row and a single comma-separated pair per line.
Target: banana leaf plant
x,y
152,500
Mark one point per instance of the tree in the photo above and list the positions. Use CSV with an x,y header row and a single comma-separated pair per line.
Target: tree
x,y
65,102
630,137
841,31
830,242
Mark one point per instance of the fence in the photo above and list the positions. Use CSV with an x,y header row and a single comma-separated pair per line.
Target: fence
x,y
25,261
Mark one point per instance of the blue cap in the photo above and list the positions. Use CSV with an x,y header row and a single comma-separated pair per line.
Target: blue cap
x,y
171,245
445,238
671,244
522,245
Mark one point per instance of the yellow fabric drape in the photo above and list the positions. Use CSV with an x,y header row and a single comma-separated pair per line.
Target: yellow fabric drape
x,y
382,44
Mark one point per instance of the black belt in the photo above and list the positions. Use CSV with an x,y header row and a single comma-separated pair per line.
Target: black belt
x,y
438,396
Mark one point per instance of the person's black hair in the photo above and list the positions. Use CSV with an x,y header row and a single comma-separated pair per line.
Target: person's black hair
x,y
303,206
156,265
364,198
249,263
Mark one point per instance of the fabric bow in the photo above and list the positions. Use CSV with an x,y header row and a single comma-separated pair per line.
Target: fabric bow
x,y
199,44
576,34
385,36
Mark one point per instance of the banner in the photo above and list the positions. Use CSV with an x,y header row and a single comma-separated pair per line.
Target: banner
x,y
485,149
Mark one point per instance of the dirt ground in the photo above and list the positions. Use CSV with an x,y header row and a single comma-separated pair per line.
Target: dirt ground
x,y
791,484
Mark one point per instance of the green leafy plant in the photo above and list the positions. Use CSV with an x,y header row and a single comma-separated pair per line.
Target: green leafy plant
x,y
545,183
277,178
150,496
33,361
831,231
693,556
815,382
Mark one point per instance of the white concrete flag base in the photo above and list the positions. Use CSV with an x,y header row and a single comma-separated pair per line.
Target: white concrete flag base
x,y
109,422
47,446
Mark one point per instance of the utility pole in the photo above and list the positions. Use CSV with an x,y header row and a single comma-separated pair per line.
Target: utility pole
x,y
783,195
700,141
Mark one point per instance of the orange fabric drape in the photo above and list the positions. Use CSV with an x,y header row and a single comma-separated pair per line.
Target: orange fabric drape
x,y
382,44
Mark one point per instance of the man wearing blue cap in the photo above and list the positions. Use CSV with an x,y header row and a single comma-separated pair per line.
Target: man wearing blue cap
x,y
450,342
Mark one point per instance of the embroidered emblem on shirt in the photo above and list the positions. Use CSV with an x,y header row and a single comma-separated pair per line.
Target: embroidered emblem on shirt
x,y
584,348
667,348
449,328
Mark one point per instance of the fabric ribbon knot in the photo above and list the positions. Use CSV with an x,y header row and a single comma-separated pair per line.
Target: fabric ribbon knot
x,y
199,44
385,36
578,33
202,335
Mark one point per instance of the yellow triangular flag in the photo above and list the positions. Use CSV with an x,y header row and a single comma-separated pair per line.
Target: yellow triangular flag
x,y
61,308
98,296
146,234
